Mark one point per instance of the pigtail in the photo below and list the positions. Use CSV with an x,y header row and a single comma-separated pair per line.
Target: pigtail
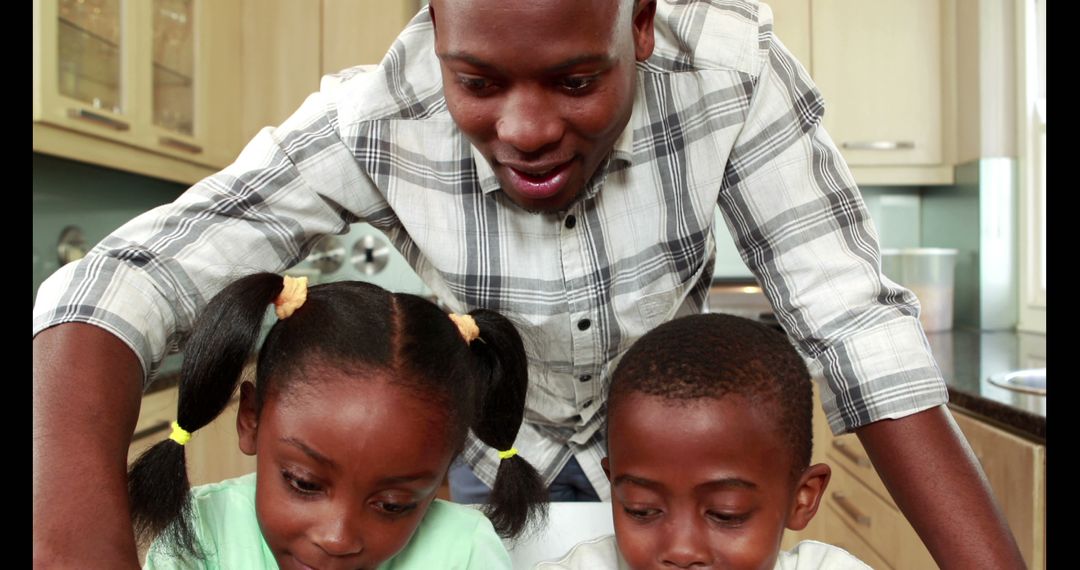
x,y
214,357
518,499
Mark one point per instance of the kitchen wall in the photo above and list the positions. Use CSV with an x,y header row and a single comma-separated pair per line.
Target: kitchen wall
x,y
96,199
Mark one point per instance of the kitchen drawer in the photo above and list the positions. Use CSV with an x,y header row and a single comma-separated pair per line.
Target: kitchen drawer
x,y
1016,471
848,451
875,521
840,534
156,414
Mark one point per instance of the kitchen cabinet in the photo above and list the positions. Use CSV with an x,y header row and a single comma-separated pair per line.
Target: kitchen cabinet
x,y
858,515
1016,470
883,69
288,45
149,87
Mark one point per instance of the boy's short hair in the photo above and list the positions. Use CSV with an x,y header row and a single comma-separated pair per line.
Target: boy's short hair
x,y
715,355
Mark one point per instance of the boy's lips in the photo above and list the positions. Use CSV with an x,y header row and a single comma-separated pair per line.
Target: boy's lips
x,y
539,182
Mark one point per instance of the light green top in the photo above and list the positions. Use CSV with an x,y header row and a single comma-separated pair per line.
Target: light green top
x,y
451,536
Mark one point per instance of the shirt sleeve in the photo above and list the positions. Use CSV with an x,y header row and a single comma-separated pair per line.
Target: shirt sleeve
x,y
147,281
800,224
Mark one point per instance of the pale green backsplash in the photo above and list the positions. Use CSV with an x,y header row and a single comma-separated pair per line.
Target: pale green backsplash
x,y
977,216
96,199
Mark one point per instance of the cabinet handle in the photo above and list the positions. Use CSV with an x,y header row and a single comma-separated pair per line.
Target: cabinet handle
x,y
179,145
97,118
850,509
158,427
850,453
879,145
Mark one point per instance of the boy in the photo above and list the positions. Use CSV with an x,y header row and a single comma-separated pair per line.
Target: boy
x,y
709,441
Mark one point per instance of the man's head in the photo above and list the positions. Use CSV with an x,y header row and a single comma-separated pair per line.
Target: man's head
x,y
542,89
709,441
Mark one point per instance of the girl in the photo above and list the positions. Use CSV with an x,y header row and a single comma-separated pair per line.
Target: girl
x,y
362,398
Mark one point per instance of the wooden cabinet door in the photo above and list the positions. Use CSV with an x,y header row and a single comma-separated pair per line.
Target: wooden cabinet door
x,y
878,64
1016,471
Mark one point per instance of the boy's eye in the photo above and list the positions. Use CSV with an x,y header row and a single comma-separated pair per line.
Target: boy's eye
x,y
394,509
727,519
641,514
300,485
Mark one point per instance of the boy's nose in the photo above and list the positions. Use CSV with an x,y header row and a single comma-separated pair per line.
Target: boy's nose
x,y
685,547
529,122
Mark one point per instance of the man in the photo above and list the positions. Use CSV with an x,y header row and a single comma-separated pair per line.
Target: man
x,y
558,162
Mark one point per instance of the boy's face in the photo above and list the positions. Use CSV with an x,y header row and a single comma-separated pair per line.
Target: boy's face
x,y
703,484
346,470
542,89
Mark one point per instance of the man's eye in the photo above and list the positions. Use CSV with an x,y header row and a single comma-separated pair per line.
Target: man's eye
x,y
578,84
474,84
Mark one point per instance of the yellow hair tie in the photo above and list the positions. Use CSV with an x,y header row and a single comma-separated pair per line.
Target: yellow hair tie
x,y
292,295
466,326
179,434
508,453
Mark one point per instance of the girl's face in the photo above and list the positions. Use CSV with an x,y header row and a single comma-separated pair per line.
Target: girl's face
x,y
346,469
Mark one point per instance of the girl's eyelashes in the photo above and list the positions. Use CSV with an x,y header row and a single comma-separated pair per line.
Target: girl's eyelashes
x,y
394,509
300,485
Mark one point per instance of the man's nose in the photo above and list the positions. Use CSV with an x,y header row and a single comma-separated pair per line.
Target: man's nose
x,y
685,545
530,120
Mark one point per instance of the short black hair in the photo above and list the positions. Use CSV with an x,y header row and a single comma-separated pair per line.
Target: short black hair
x,y
716,355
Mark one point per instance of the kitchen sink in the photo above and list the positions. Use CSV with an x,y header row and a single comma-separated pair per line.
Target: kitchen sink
x,y
1030,381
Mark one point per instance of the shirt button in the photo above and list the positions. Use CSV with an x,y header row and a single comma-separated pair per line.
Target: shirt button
x,y
583,324
584,377
571,221
586,403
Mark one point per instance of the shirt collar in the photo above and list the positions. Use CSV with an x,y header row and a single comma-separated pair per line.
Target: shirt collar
x,y
623,151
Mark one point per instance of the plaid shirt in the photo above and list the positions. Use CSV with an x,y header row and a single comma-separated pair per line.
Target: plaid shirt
x,y
723,115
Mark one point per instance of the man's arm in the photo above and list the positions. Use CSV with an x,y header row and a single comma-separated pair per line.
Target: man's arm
x,y
87,388
933,476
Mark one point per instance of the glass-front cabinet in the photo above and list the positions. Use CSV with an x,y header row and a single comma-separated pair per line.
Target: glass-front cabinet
x,y
139,72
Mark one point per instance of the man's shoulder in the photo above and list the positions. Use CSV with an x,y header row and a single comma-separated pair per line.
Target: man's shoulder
x,y
708,35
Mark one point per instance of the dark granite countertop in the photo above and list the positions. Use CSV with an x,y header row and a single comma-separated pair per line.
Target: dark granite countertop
x,y
968,358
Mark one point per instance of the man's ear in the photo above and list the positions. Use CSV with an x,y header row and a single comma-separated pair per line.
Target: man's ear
x,y
644,40
431,14
606,466
808,493
247,422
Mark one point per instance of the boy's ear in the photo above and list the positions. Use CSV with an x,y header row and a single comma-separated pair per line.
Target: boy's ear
x,y
808,493
606,467
247,423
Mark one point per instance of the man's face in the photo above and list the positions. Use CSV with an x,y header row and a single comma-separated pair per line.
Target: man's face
x,y
542,89
703,484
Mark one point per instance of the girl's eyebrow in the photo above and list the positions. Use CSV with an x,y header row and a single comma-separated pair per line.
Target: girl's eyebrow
x,y
310,452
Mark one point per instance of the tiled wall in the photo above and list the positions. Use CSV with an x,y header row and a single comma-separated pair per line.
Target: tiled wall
x,y
96,199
